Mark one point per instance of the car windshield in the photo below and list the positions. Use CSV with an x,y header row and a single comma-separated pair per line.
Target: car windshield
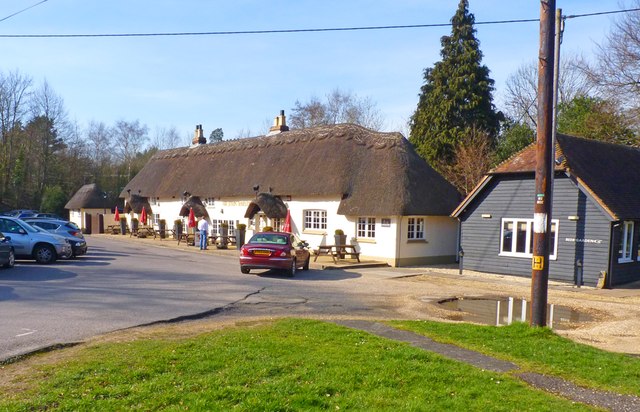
x,y
269,238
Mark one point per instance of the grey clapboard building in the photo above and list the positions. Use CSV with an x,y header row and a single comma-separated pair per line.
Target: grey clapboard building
x,y
595,219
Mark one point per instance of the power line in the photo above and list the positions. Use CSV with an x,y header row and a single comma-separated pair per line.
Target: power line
x,y
23,10
278,31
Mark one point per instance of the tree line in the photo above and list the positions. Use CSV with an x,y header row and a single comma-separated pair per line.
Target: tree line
x,y
456,127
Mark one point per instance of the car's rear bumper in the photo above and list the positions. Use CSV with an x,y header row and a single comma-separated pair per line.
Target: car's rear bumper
x,y
252,262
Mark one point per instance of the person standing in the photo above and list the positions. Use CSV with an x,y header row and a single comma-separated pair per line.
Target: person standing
x,y
203,227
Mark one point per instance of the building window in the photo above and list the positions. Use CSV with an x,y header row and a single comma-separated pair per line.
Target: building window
x,y
626,242
366,227
276,223
516,238
315,219
156,219
155,201
415,228
215,228
209,201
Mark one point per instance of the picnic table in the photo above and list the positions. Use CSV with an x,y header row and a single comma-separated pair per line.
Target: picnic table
x,y
222,241
337,251
142,230
167,233
113,229
189,238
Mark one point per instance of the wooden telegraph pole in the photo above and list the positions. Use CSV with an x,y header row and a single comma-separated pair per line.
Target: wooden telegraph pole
x,y
544,167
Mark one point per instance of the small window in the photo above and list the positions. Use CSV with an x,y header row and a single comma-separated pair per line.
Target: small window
x,y
625,246
415,228
276,223
315,219
366,227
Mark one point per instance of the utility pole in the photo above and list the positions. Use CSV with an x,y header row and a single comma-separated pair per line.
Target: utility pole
x,y
544,167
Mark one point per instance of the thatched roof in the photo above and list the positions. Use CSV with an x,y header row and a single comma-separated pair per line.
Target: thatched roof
x,y
135,203
606,171
272,206
88,197
375,174
194,202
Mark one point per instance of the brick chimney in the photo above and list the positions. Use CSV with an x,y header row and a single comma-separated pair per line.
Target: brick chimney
x,y
198,137
279,125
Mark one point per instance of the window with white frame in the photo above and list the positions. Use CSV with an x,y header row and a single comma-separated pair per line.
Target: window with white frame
x,y
315,219
209,201
276,223
415,228
156,219
626,242
231,226
366,227
155,201
215,227
516,238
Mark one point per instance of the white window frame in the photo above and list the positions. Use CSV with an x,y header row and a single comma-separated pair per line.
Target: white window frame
x,y
366,227
625,254
155,201
528,253
209,201
315,219
215,227
156,219
415,228
277,223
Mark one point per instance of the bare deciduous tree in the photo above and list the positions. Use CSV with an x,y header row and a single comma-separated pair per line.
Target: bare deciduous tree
x,y
129,140
521,103
616,71
473,159
339,107
164,138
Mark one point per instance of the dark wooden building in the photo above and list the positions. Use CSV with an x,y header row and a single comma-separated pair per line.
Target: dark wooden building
x,y
595,219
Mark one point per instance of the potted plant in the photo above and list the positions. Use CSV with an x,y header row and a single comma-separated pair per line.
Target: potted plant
x,y
134,225
162,227
177,228
241,231
123,225
224,233
340,239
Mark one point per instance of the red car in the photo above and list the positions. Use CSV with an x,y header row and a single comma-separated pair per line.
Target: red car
x,y
274,250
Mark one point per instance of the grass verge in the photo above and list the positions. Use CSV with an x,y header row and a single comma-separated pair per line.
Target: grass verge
x,y
284,365
539,350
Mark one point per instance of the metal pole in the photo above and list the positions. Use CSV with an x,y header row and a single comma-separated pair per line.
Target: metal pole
x,y
544,167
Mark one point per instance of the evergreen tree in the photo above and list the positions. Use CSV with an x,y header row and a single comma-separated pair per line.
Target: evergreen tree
x,y
456,98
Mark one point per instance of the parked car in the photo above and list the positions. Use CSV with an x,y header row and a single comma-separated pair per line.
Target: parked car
x,y
7,254
31,243
274,250
20,213
66,229
48,216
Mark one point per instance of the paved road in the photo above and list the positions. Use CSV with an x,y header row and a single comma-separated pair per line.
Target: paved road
x,y
123,283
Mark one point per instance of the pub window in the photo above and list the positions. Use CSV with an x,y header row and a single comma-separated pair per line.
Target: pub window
x,y
276,223
315,219
415,228
366,227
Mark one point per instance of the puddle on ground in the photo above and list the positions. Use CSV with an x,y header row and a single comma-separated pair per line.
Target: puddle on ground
x,y
495,311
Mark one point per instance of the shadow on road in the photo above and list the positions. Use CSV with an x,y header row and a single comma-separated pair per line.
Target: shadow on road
x,y
307,275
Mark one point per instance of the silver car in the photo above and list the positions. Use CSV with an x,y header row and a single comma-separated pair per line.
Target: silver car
x,y
31,243
67,230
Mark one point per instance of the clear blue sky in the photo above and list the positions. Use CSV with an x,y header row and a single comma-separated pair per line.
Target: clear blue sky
x,y
240,82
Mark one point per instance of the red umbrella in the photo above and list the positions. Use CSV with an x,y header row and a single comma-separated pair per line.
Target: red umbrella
x,y
143,216
192,218
117,216
287,223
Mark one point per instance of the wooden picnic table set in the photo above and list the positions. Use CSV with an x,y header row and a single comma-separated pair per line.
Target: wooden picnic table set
x,y
337,252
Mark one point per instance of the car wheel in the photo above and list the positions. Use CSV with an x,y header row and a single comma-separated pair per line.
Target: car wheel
x,y
44,254
292,270
306,264
244,270
12,260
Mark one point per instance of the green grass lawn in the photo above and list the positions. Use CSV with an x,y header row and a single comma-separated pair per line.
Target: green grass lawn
x,y
283,365
539,350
